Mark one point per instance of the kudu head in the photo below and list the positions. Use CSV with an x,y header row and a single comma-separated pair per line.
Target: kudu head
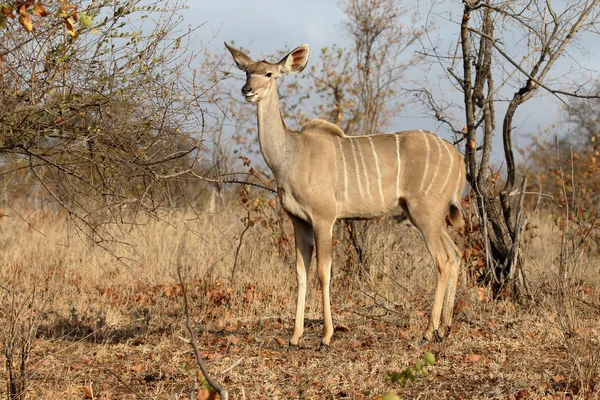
x,y
261,75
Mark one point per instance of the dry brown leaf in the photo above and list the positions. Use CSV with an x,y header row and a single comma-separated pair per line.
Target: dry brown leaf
x,y
87,392
473,358
481,294
39,10
136,368
25,21
70,26
266,354
280,341
204,394
7,12
461,306
232,339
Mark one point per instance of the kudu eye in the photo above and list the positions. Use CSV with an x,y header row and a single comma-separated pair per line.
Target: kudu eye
x,y
269,74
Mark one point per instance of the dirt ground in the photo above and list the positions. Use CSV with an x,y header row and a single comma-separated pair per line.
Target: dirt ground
x,y
109,332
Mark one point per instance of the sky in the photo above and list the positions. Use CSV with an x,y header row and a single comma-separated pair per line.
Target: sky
x,y
266,25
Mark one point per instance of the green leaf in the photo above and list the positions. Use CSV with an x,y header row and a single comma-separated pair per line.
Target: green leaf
x,y
85,19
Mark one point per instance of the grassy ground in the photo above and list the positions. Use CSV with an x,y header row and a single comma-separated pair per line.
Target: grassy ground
x,y
109,329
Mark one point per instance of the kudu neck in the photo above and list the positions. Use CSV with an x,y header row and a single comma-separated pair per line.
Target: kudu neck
x,y
277,143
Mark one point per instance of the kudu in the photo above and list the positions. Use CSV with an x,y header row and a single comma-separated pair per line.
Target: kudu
x,y
323,175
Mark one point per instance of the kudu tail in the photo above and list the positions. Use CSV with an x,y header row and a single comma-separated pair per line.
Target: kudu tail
x,y
456,215
455,210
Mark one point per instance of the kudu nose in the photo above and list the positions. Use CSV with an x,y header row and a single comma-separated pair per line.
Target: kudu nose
x,y
246,89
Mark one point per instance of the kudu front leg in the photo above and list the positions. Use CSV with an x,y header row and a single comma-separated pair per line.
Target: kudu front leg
x,y
304,237
323,236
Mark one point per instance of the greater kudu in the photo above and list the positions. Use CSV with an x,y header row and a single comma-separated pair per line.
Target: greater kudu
x,y
324,175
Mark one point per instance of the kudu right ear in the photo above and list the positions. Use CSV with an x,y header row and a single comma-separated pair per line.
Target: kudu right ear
x,y
242,61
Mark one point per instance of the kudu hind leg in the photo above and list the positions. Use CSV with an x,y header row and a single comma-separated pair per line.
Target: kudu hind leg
x,y
435,244
448,307
431,228
304,237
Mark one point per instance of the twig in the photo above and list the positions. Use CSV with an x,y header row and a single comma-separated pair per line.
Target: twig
x,y
235,364
239,246
195,175
192,341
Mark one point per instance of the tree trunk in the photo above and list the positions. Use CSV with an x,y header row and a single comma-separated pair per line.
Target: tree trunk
x,y
496,217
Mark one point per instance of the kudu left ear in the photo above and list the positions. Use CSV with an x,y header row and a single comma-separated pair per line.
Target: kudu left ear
x,y
296,61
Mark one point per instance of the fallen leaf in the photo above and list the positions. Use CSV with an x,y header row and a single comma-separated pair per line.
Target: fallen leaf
x,y
481,294
473,358
136,368
232,339
461,306
280,341
87,392
266,354
204,394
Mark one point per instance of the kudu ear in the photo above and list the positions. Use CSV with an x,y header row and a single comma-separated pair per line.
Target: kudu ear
x,y
240,58
295,61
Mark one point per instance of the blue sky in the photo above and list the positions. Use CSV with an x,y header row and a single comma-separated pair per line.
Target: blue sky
x,y
268,24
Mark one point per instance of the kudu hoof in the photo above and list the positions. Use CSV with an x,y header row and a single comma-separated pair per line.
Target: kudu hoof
x,y
293,347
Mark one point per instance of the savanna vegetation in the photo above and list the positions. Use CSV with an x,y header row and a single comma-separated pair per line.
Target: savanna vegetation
x,y
136,209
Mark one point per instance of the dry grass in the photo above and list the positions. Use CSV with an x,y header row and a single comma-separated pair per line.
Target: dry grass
x,y
109,328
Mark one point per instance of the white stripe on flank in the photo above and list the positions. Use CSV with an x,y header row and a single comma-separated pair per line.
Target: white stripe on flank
x,y
335,177
426,161
378,171
450,171
398,171
365,172
360,188
345,169
437,166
